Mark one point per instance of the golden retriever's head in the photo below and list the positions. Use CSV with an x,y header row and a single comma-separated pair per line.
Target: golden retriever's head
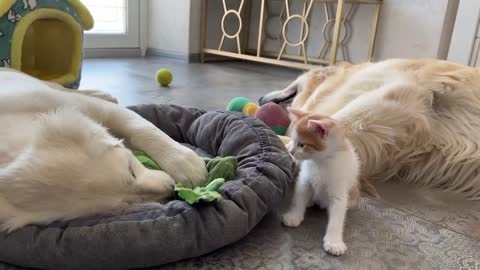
x,y
300,89
74,164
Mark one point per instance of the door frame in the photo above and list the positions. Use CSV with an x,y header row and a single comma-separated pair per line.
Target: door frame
x,y
465,33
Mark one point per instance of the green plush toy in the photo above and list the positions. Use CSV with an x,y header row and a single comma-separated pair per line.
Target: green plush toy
x,y
220,169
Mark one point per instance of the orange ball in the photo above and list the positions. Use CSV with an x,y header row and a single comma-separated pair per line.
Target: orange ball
x,y
250,109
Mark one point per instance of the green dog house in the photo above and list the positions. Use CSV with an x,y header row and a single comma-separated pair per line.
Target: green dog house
x,y
44,38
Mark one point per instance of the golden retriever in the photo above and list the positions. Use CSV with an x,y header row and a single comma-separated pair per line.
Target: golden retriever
x,y
417,121
59,161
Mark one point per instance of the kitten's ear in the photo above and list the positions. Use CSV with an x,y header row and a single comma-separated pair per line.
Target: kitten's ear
x,y
322,127
296,113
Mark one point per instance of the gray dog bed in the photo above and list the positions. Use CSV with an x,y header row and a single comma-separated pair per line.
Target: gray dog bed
x,y
154,234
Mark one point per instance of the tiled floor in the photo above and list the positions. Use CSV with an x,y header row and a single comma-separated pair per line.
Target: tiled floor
x,y
207,86
408,228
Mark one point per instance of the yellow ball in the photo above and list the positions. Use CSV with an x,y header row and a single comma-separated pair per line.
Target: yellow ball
x,y
164,77
250,109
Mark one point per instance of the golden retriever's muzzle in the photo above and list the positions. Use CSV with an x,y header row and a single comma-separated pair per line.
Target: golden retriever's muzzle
x,y
282,97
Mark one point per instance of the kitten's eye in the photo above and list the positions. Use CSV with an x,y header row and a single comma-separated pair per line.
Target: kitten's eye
x,y
301,145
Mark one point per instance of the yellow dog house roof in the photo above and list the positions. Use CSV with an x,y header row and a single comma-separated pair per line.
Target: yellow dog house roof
x,y
44,38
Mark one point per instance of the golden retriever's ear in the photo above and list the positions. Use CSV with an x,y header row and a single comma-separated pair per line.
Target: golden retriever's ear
x,y
296,113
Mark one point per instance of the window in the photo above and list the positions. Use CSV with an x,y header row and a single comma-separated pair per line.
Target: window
x,y
117,24
110,16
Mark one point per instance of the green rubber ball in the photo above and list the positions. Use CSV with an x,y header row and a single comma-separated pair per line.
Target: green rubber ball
x,y
237,104
164,77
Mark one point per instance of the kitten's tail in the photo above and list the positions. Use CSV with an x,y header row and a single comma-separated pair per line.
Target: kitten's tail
x,y
368,188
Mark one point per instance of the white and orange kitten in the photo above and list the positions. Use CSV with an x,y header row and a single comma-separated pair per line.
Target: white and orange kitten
x,y
329,174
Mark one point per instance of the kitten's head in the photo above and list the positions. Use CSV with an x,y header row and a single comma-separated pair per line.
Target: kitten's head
x,y
311,134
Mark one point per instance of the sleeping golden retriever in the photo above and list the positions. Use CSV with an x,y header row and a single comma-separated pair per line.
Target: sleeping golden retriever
x,y
416,121
59,158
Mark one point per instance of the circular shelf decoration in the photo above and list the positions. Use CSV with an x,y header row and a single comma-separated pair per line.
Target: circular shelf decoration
x,y
240,25
239,18
304,34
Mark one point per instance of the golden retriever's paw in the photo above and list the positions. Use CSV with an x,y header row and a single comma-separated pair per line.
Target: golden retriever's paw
x,y
291,219
155,183
186,167
12,224
335,248
101,95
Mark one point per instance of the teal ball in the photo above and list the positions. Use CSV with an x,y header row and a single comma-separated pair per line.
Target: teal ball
x,y
237,104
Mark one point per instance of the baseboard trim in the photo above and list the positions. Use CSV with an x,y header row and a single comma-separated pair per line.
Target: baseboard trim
x,y
136,52
194,58
112,52
187,57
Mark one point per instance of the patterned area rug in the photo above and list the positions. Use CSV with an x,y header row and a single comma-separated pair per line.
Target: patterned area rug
x,y
431,235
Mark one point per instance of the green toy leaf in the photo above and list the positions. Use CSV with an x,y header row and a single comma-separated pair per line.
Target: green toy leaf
x,y
220,169
146,160
207,194
215,184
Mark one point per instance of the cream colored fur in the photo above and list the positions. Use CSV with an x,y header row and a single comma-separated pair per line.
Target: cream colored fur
x,y
415,121
58,159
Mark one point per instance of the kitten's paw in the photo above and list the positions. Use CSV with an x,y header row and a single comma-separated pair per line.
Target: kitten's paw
x,y
291,219
335,248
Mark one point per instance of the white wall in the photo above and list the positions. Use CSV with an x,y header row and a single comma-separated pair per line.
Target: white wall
x,y
413,28
169,25
464,32
408,29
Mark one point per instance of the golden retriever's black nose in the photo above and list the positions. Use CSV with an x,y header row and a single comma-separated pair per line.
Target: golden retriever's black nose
x,y
263,100
280,96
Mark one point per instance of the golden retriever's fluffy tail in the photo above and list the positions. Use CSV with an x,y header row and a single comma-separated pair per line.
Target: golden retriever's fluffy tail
x,y
368,188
